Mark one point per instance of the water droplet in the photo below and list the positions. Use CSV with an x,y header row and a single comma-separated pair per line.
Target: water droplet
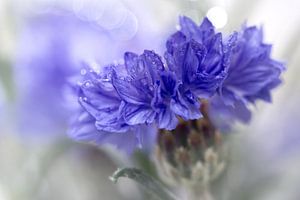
x,y
132,70
83,72
122,78
87,84
83,98
105,79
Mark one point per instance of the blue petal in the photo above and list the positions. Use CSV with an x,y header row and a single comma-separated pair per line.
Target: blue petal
x,y
265,93
252,78
228,48
154,65
153,59
188,27
224,116
106,119
100,95
167,119
130,60
136,114
214,57
169,83
253,35
184,108
205,85
131,91
83,129
186,61
174,41
207,29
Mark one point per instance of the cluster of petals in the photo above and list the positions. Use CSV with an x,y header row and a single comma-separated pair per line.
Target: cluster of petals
x,y
149,91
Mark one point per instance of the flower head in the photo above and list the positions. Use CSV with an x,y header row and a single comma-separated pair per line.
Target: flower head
x,y
126,99
252,74
201,68
42,68
145,88
142,91
100,119
198,57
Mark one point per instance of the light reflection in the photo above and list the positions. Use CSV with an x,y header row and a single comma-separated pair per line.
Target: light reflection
x,y
90,10
113,16
128,29
218,16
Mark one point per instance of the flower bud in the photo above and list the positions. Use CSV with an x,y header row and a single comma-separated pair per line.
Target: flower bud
x,y
191,154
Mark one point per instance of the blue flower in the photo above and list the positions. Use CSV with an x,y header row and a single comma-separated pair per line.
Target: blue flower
x,y
143,92
142,95
198,57
99,98
143,88
102,117
126,99
252,74
43,65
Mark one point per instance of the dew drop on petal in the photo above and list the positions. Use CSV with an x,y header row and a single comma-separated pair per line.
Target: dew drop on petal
x,y
83,72
87,84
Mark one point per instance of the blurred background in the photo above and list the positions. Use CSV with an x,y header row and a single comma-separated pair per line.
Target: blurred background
x,y
43,44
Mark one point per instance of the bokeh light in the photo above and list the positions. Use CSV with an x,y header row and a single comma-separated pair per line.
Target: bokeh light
x,y
218,16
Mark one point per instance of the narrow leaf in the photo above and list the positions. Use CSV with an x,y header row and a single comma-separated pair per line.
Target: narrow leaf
x,y
153,187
